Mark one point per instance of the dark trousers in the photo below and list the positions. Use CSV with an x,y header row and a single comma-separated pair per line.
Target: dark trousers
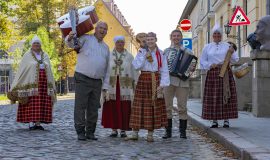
x,y
87,102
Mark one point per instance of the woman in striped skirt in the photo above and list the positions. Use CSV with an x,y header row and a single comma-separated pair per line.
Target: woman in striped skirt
x,y
149,110
34,87
220,98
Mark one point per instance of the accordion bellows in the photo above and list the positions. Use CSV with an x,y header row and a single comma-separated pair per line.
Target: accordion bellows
x,y
181,63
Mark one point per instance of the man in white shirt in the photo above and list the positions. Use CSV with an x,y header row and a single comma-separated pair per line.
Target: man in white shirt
x,y
178,88
91,75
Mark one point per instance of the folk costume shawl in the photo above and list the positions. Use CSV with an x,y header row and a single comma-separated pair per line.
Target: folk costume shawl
x,y
25,83
127,75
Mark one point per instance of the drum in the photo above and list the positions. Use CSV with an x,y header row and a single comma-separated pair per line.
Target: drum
x,y
84,25
89,10
87,19
241,71
62,19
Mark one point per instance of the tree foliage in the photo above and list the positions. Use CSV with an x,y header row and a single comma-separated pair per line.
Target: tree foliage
x,y
33,14
16,56
6,26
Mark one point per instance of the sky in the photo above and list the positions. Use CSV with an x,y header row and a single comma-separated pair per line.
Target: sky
x,y
159,16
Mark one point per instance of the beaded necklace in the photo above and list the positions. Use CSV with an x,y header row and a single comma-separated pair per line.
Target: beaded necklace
x,y
35,58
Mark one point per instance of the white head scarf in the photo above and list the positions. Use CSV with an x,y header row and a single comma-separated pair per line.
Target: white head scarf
x,y
118,38
35,39
217,28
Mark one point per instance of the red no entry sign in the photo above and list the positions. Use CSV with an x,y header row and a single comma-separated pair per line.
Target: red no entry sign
x,y
185,24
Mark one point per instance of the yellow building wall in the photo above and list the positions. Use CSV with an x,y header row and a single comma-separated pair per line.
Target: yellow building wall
x,y
114,28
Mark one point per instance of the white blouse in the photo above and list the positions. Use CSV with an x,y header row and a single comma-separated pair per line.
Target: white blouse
x,y
38,56
127,75
215,53
140,63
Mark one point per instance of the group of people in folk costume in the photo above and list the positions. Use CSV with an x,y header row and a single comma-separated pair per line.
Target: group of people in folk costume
x,y
137,93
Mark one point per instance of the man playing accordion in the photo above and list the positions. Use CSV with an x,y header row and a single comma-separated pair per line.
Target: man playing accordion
x,y
178,87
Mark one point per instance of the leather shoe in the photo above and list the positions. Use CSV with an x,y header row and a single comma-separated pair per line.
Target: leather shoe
x,y
226,124
91,137
40,128
33,128
123,134
114,134
214,125
81,137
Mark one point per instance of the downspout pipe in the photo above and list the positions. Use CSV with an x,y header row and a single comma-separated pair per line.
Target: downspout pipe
x,y
208,22
268,7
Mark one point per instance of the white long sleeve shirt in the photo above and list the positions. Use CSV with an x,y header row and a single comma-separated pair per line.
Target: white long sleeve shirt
x,y
93,59
215,53
140,63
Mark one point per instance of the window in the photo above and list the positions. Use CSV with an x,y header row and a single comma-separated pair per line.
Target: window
x,y
221,23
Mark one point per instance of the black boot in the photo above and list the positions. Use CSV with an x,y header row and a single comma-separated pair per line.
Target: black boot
x,y
182,128
168,132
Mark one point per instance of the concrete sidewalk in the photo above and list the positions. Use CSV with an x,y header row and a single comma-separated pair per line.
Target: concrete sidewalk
x,y
248,136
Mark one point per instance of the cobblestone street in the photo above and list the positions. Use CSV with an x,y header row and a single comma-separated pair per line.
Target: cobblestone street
x,y
59,141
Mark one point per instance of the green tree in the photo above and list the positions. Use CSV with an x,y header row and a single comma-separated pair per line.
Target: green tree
x,y
7,36
6,7
16,56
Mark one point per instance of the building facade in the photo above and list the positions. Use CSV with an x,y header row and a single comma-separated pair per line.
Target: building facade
x,y
108,11
6,73
204,14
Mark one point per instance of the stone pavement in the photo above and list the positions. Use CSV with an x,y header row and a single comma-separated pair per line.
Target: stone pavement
x,y
59,141
248,136
67,96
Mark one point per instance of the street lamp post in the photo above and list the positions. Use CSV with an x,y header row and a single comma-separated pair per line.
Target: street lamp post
x,y
60,70
228,28
5,70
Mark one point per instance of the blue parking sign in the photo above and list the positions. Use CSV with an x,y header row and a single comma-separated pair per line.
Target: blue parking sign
x,y
187,42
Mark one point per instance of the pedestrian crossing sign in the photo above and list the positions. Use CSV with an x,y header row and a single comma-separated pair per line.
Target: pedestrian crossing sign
x,y
239,18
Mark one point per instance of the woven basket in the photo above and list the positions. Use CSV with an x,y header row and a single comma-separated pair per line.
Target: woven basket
x,y
241,73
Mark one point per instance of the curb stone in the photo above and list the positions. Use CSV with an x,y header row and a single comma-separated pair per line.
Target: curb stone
x,y
240,146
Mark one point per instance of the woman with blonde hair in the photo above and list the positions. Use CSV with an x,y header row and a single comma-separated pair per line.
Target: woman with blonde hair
x,y
149,110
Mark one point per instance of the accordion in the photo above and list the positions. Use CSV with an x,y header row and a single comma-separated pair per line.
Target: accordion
x,y
181,64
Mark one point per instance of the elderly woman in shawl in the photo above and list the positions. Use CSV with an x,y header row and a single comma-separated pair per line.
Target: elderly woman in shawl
x,y
220,98
117,107
34,87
